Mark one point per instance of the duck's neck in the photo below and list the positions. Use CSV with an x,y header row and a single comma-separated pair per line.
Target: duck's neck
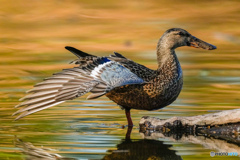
x,y
167,60
164,52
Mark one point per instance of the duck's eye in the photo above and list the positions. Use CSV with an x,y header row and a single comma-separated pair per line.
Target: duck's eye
x,y
181,33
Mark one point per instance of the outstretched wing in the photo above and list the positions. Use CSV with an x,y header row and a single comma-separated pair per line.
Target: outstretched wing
x,y
65,85
98,76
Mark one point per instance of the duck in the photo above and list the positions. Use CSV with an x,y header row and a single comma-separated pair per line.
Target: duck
x,y
127,83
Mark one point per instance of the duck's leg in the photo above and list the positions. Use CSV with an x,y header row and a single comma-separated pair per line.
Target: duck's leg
x,y
129,131
129,119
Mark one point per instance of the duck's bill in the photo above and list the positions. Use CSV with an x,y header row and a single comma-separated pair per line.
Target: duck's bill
x,y
197,43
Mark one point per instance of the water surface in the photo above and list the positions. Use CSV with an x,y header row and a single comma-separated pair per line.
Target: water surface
x,y
33,36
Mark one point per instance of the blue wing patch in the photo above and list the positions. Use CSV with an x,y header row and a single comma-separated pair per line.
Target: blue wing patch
x,y
102,60
115,75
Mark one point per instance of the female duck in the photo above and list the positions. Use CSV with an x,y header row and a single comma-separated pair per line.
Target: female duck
x,y
129,84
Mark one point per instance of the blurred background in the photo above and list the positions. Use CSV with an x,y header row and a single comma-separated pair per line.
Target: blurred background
x,y
33,35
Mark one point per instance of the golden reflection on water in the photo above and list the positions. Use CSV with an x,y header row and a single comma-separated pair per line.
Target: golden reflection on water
x,y
33,36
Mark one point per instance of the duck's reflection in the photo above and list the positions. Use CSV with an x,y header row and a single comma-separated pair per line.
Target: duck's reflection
x,y
127,150
142,150
130,149
38,153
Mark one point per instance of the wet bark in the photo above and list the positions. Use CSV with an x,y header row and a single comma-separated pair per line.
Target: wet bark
x,y
222,125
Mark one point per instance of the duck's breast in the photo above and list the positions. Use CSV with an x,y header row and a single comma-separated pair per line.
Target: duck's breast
x,y
148,96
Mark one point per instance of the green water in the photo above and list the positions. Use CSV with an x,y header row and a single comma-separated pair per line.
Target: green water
x,y
33,36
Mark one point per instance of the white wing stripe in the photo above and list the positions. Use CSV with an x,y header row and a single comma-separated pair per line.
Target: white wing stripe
x,y
96,70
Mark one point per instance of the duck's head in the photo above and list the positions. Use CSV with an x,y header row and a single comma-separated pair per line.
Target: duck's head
x,y
177,37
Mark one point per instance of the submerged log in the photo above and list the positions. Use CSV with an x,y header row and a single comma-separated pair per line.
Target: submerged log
x,y
223,125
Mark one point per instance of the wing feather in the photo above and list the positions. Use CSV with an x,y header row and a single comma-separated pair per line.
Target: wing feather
x,y
38,94
38,109
62,86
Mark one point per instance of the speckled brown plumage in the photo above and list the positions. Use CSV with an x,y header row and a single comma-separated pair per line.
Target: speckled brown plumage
x,y
162,88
